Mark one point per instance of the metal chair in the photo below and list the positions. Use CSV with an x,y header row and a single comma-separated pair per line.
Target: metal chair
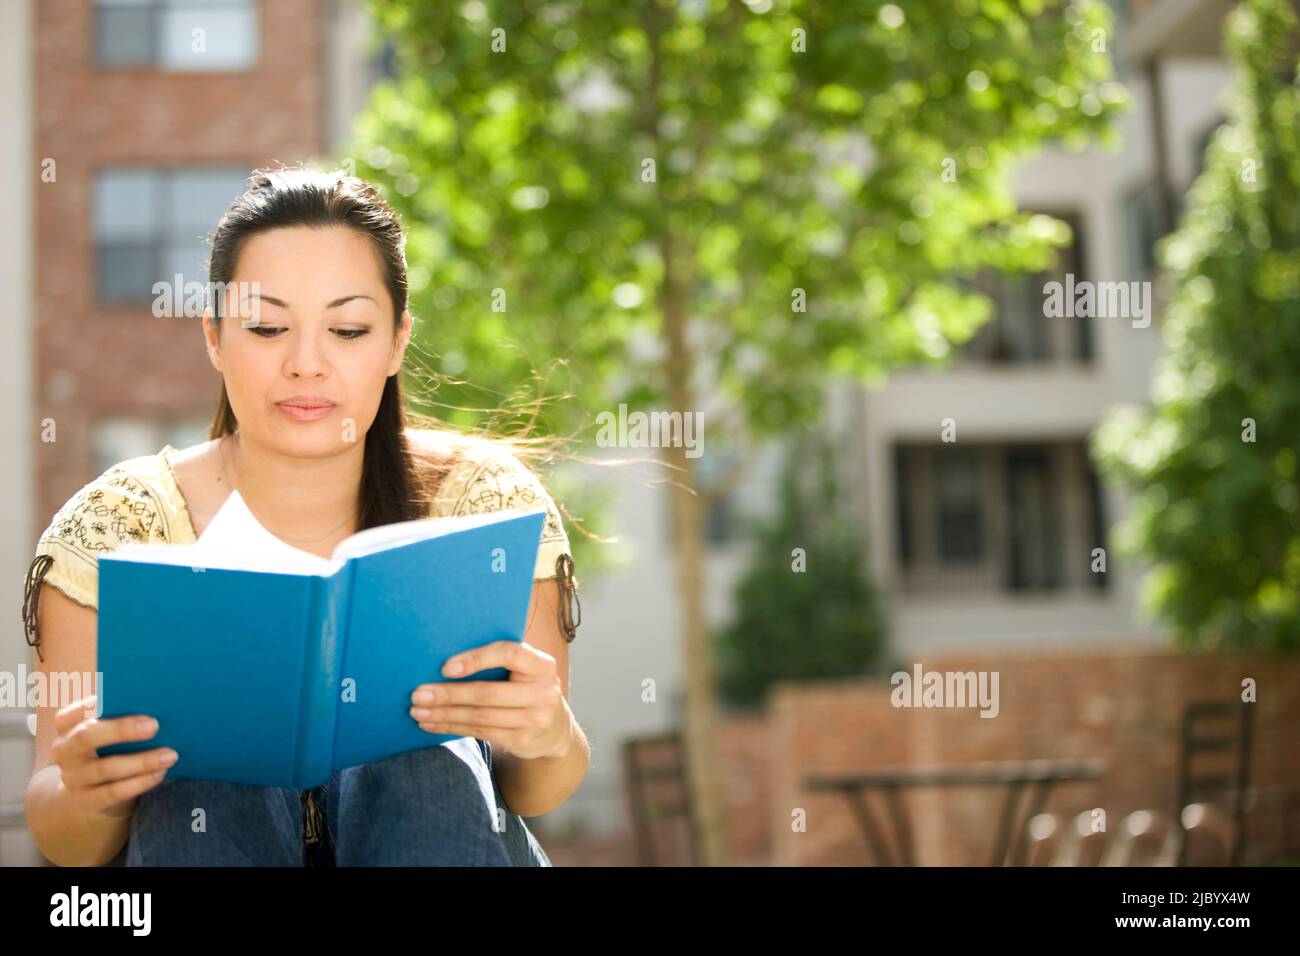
x,y
1043,839
1145,838
1209,837
1228,789
655,775
1080,844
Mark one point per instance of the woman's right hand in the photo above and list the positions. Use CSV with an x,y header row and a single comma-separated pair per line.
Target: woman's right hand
x,y
107,785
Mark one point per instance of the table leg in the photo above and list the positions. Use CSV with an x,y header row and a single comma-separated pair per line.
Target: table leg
x,y
902,827
858,798
1037,800
1010,809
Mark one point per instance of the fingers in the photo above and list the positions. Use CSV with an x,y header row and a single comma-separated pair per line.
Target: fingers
x,y
90,773
68,717
483,693
485,717
89,734
106,784
517,657
118,797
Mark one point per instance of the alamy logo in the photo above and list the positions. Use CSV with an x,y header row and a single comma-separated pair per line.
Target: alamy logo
x,y
178,298
35,689
946,689
651,430
1103,300
102,909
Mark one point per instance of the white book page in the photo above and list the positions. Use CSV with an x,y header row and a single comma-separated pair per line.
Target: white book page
x,y
421,529
236,541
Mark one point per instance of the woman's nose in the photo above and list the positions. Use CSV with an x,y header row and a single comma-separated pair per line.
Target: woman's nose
x,y
306,357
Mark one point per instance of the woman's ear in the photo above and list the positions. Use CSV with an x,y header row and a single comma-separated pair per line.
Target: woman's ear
x,y
399,345
212,340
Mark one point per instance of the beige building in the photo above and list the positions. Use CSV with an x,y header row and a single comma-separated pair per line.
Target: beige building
x,y
991,537
986,539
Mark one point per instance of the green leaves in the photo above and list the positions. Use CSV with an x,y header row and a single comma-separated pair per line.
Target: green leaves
x,y
1214,461
527,134
805,607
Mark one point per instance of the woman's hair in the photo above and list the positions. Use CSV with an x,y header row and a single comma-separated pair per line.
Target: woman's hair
x,y
398,479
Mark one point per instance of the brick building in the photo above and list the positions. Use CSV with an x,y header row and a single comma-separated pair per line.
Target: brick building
x,y
135,126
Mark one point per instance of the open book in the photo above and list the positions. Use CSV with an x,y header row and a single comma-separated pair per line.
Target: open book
x,y
267,665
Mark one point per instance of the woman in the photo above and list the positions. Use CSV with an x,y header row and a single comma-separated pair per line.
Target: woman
x,y
312,431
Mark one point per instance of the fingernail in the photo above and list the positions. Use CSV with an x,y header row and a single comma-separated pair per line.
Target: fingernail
x,y
454,667
422,697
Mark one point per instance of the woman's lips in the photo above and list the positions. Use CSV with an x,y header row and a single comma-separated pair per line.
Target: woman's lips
x,y
305,413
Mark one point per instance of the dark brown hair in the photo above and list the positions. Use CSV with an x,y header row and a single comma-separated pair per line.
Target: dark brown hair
x,y
398,479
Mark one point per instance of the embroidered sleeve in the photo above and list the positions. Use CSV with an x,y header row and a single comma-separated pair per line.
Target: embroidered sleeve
x,y
499,481
114,509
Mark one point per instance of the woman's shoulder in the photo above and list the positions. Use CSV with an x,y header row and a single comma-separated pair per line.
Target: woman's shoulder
x,y
127,496
488,476
466,456
124,503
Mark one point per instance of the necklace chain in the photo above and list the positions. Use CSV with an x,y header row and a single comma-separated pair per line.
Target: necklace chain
x,y
221,448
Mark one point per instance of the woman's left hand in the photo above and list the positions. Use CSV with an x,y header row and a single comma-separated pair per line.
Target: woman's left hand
x,y
525,715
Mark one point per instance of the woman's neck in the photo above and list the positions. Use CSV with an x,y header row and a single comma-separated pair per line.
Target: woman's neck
x,y
308,502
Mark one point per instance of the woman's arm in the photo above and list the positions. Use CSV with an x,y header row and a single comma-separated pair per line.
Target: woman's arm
x,y
533,787
65,833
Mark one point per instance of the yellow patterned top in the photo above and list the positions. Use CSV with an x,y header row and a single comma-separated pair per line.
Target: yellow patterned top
x,y
140,500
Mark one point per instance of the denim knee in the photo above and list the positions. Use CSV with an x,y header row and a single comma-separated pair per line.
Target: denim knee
x,y
521,845
436,806
215,823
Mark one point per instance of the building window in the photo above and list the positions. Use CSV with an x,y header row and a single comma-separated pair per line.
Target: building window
x,y
118,439
1096,528
152,224
385,61
1033,528
1019,332
177,35
721,514
1017,517
1142,224
957,501
1203,146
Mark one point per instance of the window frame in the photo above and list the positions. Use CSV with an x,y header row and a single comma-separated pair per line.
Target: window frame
x,y
1070,341
155,10
162,234
1075,516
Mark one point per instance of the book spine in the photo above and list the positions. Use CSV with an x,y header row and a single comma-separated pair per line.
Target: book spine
x,y
343,615
322,663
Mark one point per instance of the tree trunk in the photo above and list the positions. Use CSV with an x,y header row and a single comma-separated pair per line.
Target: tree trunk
x,y
700,732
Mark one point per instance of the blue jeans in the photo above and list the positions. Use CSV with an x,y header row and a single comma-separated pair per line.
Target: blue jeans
x,y
439,806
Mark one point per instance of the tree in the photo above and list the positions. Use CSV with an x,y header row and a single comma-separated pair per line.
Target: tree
x,y
806,608
1214,461
709,207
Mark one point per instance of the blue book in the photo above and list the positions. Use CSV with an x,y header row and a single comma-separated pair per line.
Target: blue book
x,y
267,665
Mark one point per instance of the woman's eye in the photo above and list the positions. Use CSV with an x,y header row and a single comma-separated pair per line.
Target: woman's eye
x,y
270,331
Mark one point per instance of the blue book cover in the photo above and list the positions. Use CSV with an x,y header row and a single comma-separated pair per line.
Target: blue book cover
x,y
267,665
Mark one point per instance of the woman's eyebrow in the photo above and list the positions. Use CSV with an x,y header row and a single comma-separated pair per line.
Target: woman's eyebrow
x,y
342,300
346,299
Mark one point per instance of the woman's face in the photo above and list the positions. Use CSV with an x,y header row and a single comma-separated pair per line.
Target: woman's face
x,y
321,334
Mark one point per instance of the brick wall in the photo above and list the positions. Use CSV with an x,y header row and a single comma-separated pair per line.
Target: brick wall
x,y
1120,704
93,362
